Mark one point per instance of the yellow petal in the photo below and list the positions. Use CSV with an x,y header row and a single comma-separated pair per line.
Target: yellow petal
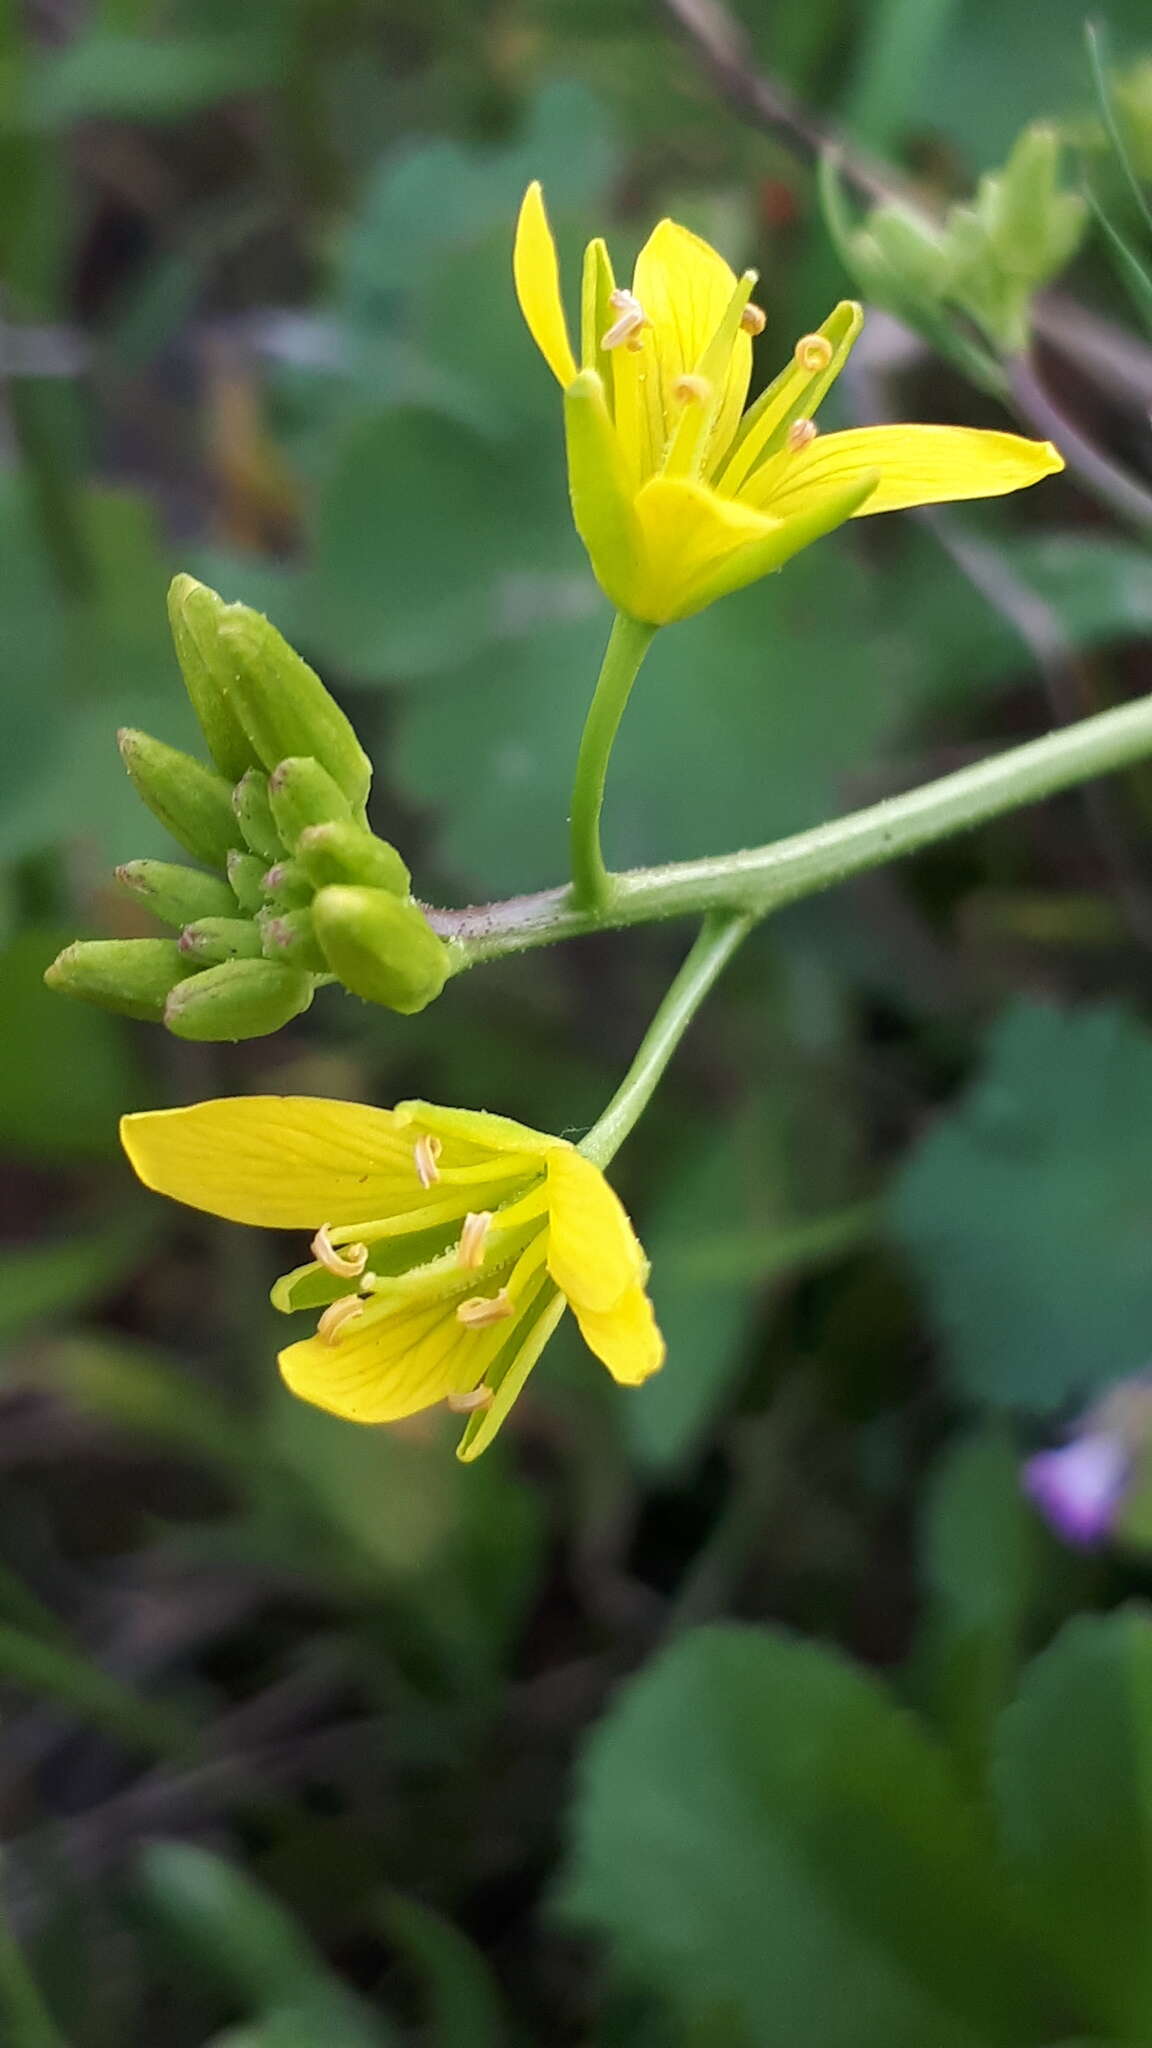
x,y
398,1357
685,288
913,466
625,1338
593,1255
537,275
786,538
596,310
477,1128
601,499
540,1322
289,1162
689,532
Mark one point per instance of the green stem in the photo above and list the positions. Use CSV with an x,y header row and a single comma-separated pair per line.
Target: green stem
x,y
718,939
768,877
29,2024
628,643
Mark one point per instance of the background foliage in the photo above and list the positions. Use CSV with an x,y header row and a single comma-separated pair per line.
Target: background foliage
x,y
757,1706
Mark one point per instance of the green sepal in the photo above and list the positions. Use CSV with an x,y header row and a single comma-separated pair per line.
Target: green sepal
x,y
191,802
246,880
209,940
380,947
254,814
174,893
302,793
132,976
240,999
338,853
195,614
288,935
285,708
287,887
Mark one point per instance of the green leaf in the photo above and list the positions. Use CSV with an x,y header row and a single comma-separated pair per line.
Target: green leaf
x,y
761,1830
39,1282
148,78
1026,1210
464,2007
1074,1790
68,1073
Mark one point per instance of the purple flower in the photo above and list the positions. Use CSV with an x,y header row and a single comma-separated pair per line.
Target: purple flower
x,y
1080,1488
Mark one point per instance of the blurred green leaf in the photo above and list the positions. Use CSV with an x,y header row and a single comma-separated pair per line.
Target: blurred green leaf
x,y
51,1668
68,1073
1074,1789
464,2008
1026,1210
39,1282
759,1827
148,78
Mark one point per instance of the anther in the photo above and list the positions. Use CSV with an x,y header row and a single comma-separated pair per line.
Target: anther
x,y
467,1404
337,1317
427,1151
692,390
625,330
482,1309
473,1238
753,319
813,352
348,1263
799,434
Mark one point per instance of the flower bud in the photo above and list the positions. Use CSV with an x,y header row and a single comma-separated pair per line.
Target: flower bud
x,y
349,853
286,886
254,812
194,804
288,935
212,939
909,248
302,793
195,614
133,976
381,947
246,878
240,999
285,708
175,894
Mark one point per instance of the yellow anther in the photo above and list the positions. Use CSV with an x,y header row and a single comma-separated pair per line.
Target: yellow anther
x,y
473,1238
467,1404
348,1263
427,1151
482,1309
799,434
813,352
692,390
337,1317
753,319
625,330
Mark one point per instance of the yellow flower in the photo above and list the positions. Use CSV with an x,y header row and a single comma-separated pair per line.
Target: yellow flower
x,y
447,1245
681,496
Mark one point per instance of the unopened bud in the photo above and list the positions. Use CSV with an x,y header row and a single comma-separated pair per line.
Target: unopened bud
x,y
348,853
286,886
287,935
302,793
240,999
209,940
132,976
173,893
285,708
195,614
254,815
190,801
246,879
908,250
381,947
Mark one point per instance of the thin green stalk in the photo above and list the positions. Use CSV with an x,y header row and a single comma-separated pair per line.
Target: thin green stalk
x,y
628,643
767,877
718,939
25,2021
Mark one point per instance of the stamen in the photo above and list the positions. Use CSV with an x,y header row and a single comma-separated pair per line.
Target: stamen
x,y
813,352
347,1264
625,330
337,1317
692,390
799,434
473,1238
427,1151
753,319
482,1309
467,1404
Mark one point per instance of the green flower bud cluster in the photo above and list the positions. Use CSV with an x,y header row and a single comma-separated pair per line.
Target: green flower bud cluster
x,y
986,260
294,889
